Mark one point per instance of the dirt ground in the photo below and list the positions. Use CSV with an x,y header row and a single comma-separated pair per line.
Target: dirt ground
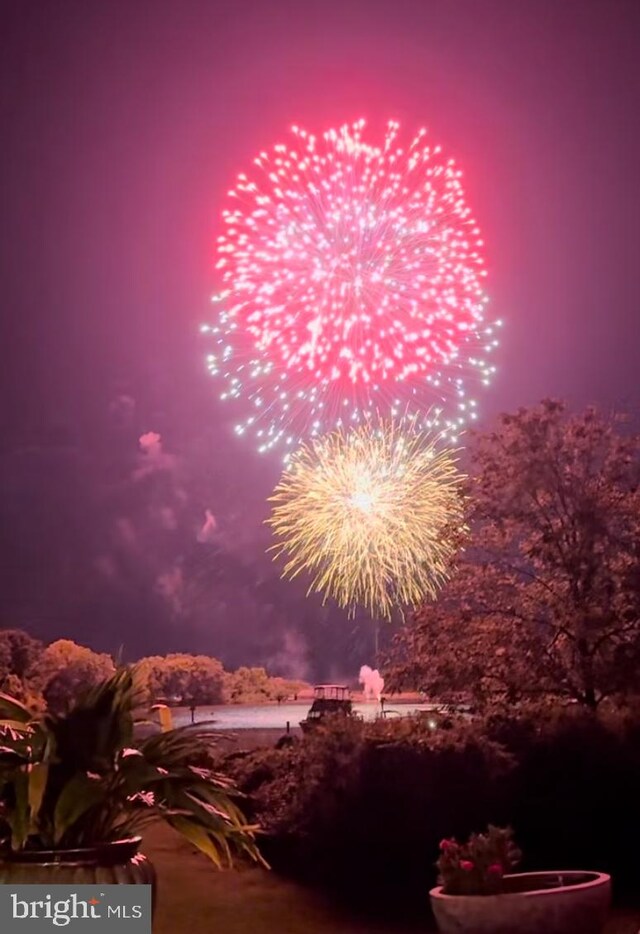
x,y
196,899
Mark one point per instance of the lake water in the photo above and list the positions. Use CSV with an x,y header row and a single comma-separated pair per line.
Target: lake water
x,y
274,717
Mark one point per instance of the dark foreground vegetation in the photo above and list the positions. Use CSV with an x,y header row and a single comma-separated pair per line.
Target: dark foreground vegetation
x,y
361,808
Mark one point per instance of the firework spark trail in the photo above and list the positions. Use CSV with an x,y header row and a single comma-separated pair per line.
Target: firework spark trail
x,y
374,515
352,281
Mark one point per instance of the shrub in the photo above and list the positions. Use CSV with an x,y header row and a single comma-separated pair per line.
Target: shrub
x,y
574,798
361,806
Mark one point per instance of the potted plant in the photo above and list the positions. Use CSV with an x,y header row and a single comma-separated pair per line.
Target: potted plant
x,y
479,894
76,790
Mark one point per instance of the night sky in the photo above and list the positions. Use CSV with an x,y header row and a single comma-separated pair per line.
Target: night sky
x,y
122,124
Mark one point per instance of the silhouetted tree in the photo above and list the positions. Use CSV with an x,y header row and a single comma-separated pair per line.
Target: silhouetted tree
x,y
547,601
66,670
19,653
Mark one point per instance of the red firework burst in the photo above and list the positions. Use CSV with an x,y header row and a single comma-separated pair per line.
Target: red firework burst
x,y
351,281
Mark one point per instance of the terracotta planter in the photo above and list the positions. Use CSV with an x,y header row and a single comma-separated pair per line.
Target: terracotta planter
x,y
116,863
532,903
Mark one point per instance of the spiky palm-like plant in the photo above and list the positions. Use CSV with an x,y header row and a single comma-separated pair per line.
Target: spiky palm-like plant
x,y
80,779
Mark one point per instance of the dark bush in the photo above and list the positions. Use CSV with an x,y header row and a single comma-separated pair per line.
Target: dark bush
x,y
362,808
574,797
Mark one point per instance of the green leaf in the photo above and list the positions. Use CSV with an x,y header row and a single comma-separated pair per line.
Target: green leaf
x,y
18,817
38,775
78,795
199,837
13,709
136,774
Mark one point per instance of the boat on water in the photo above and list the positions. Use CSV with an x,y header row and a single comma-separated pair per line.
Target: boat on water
x,y
328,700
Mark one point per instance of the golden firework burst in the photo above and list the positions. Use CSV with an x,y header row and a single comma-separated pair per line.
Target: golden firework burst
x,y
373,514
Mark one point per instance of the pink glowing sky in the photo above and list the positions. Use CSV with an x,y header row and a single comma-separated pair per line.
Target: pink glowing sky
x,y
123,124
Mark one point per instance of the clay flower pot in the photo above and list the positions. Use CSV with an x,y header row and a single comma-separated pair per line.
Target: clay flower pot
x,y
532,903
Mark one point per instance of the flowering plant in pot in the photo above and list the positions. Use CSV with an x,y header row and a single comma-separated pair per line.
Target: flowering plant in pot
x,y
478,866
76,790
479,894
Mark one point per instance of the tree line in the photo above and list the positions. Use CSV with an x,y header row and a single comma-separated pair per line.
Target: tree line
x,y
55,674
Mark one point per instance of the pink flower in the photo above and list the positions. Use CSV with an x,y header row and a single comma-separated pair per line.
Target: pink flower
x,y
495,869
446,845
466,864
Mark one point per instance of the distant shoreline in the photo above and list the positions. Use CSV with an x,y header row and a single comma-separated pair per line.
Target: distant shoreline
x,y
304,700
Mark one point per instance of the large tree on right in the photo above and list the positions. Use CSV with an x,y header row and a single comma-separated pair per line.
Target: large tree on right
x,y
546,602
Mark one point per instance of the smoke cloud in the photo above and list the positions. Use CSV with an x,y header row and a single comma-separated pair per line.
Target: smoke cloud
x,y
372,683
207,533
151,444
